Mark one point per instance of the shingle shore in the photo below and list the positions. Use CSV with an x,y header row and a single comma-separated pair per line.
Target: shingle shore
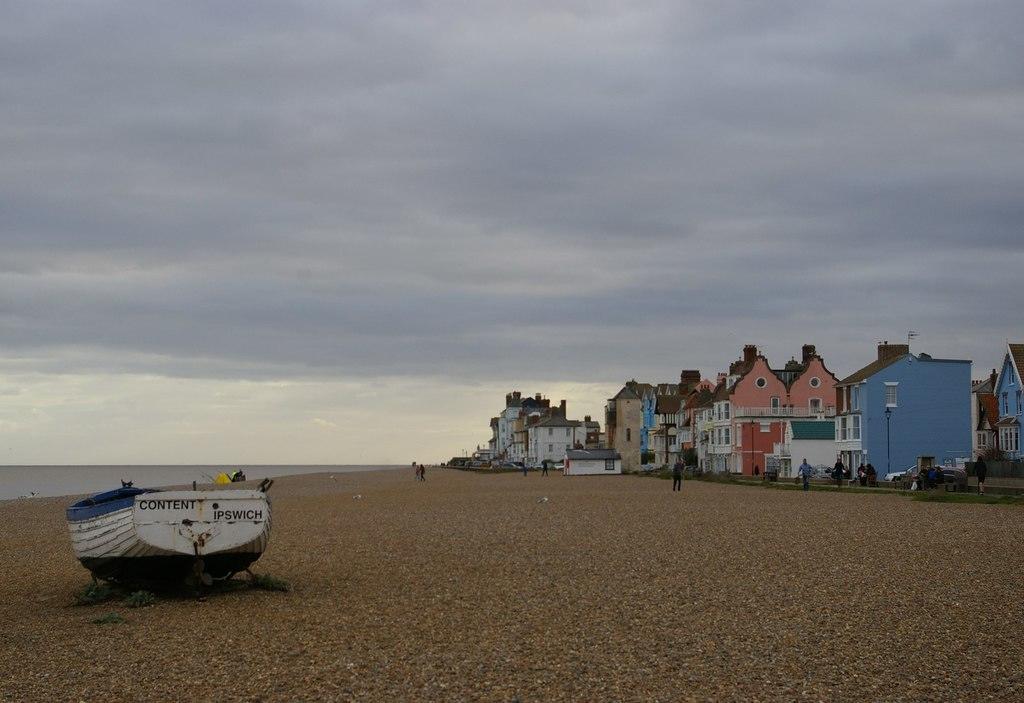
x,y
467,588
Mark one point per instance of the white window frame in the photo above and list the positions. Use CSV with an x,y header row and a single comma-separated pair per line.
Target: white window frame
x,y
855,427
894,387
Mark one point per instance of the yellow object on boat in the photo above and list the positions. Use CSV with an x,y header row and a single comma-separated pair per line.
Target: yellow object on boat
x,y
223,478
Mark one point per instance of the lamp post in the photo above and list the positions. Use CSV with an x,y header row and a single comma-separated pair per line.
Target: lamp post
x,y
888,444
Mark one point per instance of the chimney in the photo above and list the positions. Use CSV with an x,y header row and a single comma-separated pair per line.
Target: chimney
x,y
537,397
689,377
561,408
808,352
508,399
992,377
721,376
749,353
516,395
586,418
888,351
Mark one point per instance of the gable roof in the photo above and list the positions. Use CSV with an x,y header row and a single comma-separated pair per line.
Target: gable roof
x,y
989,414
871,369
668,404
1017,353
626,393
813,429
556,421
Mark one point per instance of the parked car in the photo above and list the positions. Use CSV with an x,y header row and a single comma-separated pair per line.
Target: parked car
x,y
894,476
952,478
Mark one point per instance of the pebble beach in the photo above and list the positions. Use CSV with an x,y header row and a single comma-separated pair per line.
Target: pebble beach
x,y
474,587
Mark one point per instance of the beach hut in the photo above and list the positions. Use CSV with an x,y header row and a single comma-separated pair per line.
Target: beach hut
x,y
592,462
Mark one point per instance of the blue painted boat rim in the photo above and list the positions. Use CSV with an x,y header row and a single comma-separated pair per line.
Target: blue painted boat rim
x,y
106,502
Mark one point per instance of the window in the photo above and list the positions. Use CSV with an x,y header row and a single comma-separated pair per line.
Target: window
x,y
890,395
566,431
761,382
725,408
842,427
550,432
551,448
766,427
1018,402
726,436
1008,439
628,438
815,405
854,398
1005,402
815,382
776,404
982,439
609,464
855,427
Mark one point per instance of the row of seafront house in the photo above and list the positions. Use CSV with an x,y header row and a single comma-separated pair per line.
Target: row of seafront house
x,y
529,430
755,417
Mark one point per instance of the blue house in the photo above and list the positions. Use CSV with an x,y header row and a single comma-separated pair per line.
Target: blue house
x,y
1008,398
647,409
902,406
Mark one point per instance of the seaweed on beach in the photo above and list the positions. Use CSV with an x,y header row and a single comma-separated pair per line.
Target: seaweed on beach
x,y
266,582
108,619
96,592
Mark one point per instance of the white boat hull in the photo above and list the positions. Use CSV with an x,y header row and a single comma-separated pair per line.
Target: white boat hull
x,y
169,534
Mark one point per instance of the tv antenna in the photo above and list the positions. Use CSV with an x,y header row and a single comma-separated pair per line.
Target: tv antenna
x,y
910,335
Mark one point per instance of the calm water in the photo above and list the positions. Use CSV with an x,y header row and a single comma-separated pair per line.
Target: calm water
x,y
18,481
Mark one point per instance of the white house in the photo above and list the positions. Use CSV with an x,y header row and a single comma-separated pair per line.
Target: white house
x,y
592,462
552,437
814,440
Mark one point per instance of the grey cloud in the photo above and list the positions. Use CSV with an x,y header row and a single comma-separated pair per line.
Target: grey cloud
x,y
308,189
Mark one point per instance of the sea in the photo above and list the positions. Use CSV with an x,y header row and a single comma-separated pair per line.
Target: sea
x,y
43,481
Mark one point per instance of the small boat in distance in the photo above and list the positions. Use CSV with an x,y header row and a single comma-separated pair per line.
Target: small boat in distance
x,y
146,534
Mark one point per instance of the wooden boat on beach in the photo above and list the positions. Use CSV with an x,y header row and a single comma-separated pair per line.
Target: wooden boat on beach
x,y
144,534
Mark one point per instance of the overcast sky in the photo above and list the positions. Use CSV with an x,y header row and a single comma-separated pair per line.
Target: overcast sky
x,y
340,232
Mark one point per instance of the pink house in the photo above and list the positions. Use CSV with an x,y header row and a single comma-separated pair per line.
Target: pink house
x,y
758,401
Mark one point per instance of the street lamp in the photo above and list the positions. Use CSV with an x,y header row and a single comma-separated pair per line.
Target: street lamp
x,y
888,445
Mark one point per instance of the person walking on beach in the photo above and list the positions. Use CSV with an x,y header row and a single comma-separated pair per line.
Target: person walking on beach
x,y
805,472
838,472
416,471
981,471
544,463
543,469
677,475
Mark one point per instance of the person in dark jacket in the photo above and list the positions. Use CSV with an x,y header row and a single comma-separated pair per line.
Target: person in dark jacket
x,y
981,471
677,475
839,472
872,475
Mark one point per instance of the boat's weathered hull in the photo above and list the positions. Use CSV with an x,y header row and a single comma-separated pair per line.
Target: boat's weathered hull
x,y
109,540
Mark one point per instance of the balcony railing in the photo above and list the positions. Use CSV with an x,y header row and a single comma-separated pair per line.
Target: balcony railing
x,y
783,412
